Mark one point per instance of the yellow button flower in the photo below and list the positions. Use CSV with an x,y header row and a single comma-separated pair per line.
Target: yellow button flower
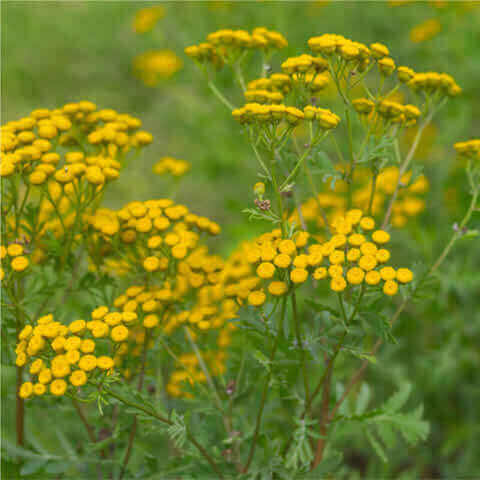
x,y
119,333
19,264
58,387
380,236
338,284
390,287
404,275
298,275
78,378
373,277
256,298
26,390
320,273
277,288
355,275
266,270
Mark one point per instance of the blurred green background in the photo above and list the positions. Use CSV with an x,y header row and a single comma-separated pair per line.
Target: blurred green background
x,y
57,52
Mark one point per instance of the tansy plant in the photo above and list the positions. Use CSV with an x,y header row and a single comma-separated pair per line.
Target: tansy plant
x,y
249,366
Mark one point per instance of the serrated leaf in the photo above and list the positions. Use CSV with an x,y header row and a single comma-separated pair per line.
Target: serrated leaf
x,y
398,400
376,446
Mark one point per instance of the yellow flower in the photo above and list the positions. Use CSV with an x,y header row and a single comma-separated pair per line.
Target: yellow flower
x,y
355,275
404,275
151,264
37,177
256,298
390,287
146,18
39,389
335,270
320,273
298,275
277,288
119,333
72,343
266,270
88,363
380,236
21,359
382,255
150,321
287,246
99,312
58,387
386,66
19,264
87,346
282,260
367,223
104,362
356,239
337,257
45,376
26,390
388,273
367,262
373,277
77,326
259,189
353,254
36,366
338,284
425,31
72,356
78,378
154,65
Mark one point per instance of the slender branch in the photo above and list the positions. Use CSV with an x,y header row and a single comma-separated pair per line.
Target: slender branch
x,y
220,96
404,166
265,391
300,344
83,418
133,431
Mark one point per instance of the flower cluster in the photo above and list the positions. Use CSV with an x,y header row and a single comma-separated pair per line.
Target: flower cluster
x,y
389,112
408,203
155,65
18,260
279,262
353,258
469,149
146,18
258,114
56,353
146,235
430,83
227,46
172,166
58,163
348,257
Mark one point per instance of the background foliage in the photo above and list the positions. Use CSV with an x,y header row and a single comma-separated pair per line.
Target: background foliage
x,y
58,52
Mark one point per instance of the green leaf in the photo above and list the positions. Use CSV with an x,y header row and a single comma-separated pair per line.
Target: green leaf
x,y
376,446
398,400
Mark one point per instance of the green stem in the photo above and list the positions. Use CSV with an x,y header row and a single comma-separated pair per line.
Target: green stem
x,y
300,344
220,96
265,389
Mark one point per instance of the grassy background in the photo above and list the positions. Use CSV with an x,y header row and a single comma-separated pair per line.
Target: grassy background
x,y
57,52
